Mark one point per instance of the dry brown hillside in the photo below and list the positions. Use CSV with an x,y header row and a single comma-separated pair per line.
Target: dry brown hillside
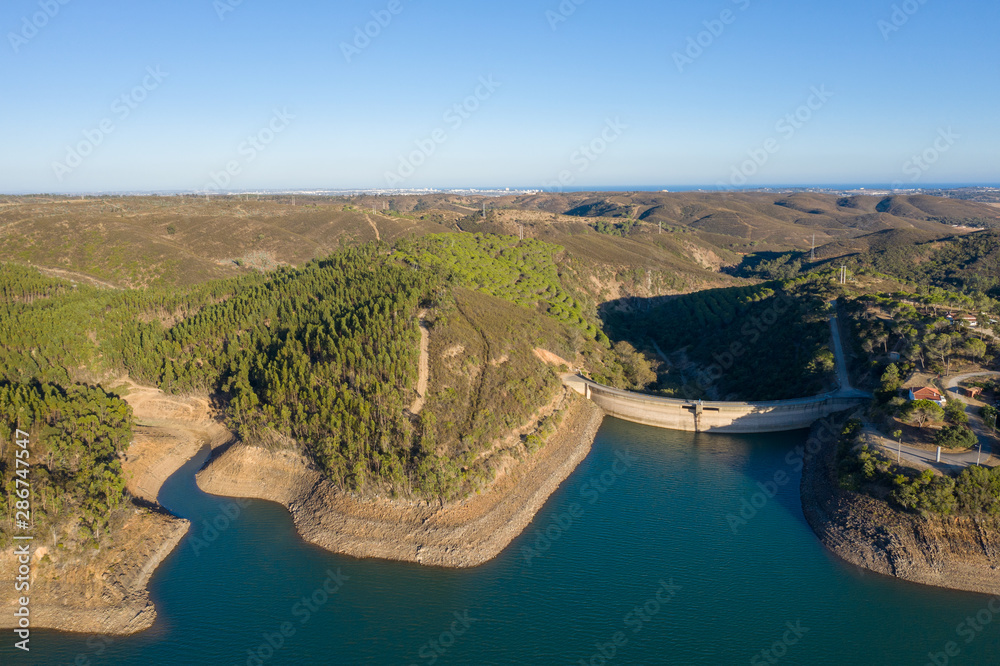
x,y
626,238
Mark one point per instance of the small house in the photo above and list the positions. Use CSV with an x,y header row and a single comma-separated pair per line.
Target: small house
x,y
928,393
973,391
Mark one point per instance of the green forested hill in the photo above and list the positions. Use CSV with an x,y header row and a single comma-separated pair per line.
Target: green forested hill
x,y
763,342
969,263
326,355
318,349
522,272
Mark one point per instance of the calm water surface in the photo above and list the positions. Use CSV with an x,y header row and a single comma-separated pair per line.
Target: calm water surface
x,y
632,561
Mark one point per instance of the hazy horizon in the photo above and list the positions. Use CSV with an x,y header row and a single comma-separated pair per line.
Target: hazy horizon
x,y
653,189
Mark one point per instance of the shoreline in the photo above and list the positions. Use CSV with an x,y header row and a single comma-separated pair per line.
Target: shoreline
x,y
956,553
169,431
113,584
462,534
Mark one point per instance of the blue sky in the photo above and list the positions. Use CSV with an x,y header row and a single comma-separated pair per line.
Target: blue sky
x,y
560,76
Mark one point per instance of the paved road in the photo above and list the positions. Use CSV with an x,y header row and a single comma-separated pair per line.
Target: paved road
x,y
986,439
843,376
950,462
955,380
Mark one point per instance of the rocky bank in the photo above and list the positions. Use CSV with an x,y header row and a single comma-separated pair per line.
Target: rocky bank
x,y
957,553
466,533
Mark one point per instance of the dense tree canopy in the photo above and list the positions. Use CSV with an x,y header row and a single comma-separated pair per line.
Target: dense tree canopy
x,y
76,436
762,342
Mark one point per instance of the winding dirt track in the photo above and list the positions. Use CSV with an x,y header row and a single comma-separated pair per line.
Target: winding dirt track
x,y
371,222
424,372
75,277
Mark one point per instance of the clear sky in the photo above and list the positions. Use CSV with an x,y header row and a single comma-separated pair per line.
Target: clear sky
x,y
621,77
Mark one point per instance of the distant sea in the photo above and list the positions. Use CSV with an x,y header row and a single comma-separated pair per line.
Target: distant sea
x,y
837,187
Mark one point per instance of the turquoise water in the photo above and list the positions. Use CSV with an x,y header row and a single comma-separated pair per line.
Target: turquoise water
x,y
642,567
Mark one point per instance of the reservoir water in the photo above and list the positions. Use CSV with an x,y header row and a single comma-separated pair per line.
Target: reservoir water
x,y
632,561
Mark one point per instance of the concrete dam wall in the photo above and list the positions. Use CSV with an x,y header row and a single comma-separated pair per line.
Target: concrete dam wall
x,y
719,417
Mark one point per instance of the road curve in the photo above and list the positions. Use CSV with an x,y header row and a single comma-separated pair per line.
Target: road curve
x,y
950,462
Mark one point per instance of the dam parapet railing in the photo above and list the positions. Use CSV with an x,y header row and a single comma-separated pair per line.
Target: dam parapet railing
x,y
715,417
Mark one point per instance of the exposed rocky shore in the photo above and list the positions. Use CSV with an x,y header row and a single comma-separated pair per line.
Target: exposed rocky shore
x,y
98,591
104,591
950,552
460,534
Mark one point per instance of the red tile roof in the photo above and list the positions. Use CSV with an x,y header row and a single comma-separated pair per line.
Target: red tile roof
x,y
927,393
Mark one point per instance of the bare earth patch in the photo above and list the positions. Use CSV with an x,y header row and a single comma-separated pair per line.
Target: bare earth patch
x,y
97,591
170,430
549,358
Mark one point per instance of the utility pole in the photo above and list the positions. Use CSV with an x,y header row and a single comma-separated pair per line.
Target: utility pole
x,y
660,224
813,255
